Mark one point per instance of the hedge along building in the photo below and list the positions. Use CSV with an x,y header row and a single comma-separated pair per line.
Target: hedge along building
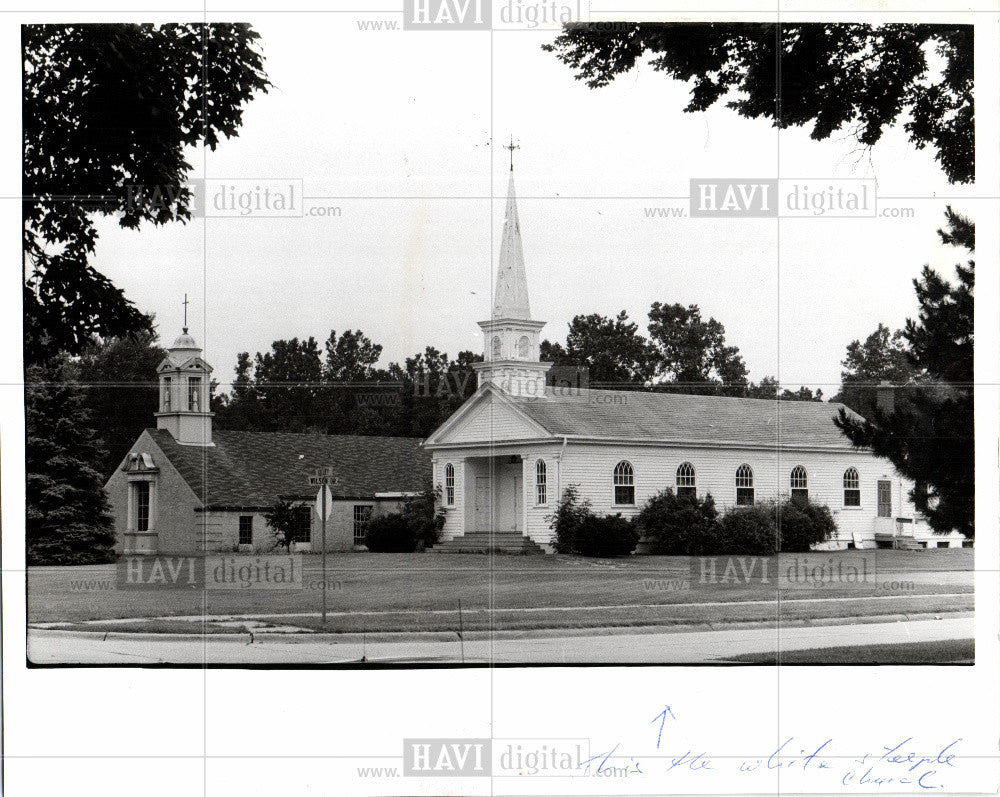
x,y
183,488
504,458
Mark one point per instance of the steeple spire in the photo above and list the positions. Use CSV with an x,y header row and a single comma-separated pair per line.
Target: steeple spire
x,y
511,297
511,347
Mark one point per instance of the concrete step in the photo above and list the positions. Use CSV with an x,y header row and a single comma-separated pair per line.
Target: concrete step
x,y
484,542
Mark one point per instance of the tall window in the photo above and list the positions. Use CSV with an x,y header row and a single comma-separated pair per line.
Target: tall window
x,y
800,485
194,393
685,481
541,482
449,484
362,514
166,394
141,495
852,488
302,531
496,348
523,346
744,485
624,482
246,530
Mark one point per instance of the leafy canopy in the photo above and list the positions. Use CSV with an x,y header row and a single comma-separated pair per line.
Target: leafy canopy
x,y
864,78
107,113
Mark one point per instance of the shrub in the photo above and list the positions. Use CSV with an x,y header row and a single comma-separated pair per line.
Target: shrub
x,y
749,530
802,525
390,534
567,518
678,525
610,535
425,517
577,530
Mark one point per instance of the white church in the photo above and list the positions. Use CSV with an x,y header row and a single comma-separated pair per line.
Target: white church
x,y
503,459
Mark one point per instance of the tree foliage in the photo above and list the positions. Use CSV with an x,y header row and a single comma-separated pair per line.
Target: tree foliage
x,y
613,351
684,353
882,357
120,391
294,388
927,429
861,77
67,519
107,112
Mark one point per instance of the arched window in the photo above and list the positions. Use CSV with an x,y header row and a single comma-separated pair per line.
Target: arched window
x,y
852,487
449,484
523,347
744,486
685,480
624,482
541,482
496,348
800,485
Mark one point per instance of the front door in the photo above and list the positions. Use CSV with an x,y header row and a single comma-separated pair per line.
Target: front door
x,y
885,499
483,504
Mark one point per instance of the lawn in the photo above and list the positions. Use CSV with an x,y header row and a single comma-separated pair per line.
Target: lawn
x,y
400,592
949,651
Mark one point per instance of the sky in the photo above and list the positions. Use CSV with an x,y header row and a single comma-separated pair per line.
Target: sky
x,y
402,132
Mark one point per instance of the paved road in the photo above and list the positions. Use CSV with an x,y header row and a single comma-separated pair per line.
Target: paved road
x,y
51,647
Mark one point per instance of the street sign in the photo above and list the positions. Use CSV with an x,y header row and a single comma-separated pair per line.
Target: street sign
x,y
322,480
323,507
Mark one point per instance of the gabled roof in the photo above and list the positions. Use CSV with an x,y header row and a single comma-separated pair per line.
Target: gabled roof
x,y
254,469
633,415
641,416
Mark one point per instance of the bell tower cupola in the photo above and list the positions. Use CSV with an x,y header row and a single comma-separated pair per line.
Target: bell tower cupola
x,y
185,392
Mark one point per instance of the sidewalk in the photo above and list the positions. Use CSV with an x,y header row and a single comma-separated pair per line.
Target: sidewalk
x,y
609,646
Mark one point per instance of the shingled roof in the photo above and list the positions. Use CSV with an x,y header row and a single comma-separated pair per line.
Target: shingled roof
x,y
254,469
675,417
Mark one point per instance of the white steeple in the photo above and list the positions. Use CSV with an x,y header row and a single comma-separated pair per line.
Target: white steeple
x,y
510,337
511,298
185,393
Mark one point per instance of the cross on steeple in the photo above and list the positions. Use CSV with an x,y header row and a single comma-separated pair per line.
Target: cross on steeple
x,y
512,146
185,313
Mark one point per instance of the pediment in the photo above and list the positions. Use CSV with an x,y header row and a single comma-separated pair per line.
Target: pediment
x,y
487,418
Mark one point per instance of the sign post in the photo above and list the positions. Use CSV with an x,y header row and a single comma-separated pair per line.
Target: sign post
x,y
323,479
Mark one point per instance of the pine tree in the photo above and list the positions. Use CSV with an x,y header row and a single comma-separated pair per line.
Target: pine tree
x,y
68,522
927,430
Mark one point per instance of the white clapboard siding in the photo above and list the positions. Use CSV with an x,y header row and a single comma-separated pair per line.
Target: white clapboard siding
x,y
592,467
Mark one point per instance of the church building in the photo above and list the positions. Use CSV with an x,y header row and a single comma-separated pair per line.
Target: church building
x,y
184,488
504,458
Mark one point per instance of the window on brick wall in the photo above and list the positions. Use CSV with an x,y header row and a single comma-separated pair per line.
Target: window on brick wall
x,y
302,530
246,530
140,493
362,514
